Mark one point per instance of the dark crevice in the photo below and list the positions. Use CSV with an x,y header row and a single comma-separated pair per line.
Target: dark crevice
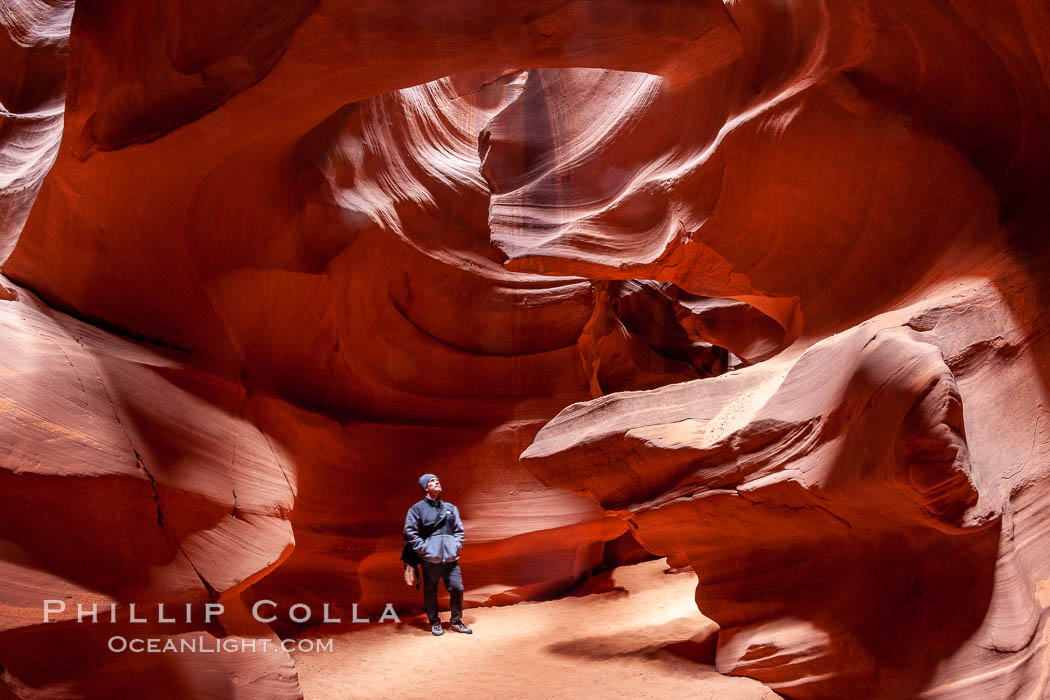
x,y
469,351
98,322
141,464
212,593
277,461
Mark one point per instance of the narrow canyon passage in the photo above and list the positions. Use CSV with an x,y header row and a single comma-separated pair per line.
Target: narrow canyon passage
x,y
755,286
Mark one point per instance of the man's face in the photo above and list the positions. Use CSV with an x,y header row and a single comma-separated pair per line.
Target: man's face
x,y
434,488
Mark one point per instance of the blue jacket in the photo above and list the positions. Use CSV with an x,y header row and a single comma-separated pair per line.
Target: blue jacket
x,y
434,544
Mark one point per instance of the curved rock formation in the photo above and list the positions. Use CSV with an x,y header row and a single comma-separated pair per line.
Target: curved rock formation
x,y
128,477
34,37
758,283
841,513
421,352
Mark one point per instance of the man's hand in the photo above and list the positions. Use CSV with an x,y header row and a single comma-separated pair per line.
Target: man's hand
x,y
410,575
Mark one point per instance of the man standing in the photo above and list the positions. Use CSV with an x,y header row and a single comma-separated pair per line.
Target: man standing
x,y
434,532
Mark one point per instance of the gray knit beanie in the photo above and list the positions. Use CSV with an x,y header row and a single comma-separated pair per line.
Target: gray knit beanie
x,y
424,479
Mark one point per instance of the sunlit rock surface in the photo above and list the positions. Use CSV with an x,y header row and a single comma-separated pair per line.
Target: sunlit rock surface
x,y
34,39
757,284
848,509
128,477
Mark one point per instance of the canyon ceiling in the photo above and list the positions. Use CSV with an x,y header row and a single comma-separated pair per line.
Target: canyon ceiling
x,y
758,285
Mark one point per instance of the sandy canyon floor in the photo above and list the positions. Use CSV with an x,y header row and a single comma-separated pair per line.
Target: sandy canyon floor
x,y
633,632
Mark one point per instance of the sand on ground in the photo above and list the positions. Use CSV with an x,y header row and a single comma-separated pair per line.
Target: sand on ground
x,y
633,632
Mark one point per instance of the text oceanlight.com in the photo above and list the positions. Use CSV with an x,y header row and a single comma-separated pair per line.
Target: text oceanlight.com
x,y
210,645
263,611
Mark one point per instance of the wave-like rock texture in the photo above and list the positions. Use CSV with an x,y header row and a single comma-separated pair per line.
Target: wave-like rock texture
x,y
128,477
854,530
271,228
34,37
762,281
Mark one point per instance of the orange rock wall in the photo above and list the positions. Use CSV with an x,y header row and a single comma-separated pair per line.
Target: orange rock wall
x,y
761,283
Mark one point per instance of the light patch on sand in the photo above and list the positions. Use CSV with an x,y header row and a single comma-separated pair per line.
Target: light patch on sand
x,y
610,639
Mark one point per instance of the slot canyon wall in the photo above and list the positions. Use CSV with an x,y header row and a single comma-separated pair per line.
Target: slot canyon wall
x,y
758,285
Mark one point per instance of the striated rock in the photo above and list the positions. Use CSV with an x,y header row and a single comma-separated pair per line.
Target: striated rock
x,y
88,415
34,36
120,487
90,670
350,287
841,517
525,541
757,285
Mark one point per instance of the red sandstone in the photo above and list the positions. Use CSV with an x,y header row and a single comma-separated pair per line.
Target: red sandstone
x,y
757,286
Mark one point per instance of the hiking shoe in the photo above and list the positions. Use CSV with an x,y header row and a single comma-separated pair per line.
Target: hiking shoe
x,y
461,628
436,629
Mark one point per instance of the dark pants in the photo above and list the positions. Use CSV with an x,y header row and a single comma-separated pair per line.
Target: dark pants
x,y
432,573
